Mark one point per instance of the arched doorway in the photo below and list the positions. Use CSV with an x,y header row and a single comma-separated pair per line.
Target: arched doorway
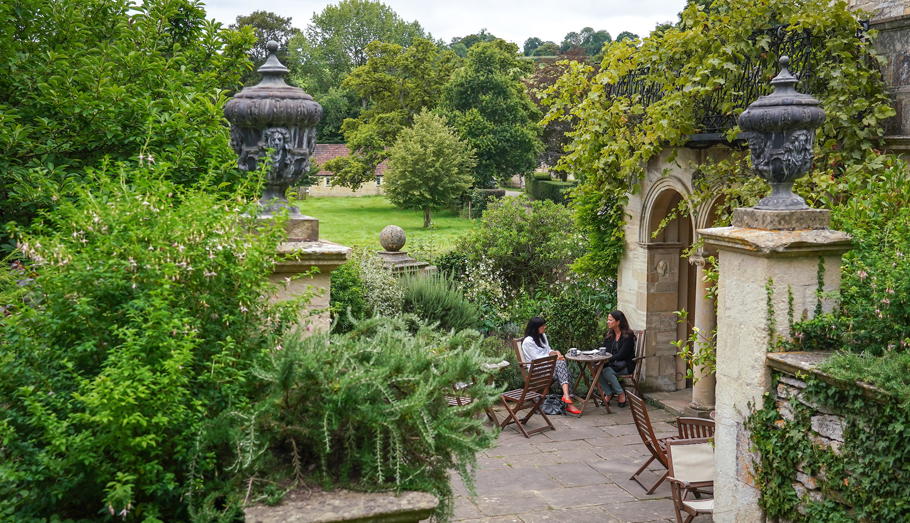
x,y
668,231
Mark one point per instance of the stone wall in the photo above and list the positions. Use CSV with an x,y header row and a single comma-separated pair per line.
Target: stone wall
x,y
322,187
652,272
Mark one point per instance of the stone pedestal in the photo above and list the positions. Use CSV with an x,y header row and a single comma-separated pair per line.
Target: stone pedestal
x,y
299,254
762,247
402,264
705,320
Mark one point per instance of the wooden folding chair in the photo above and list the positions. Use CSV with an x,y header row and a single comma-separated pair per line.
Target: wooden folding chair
x,y
520,356
639,360
691,428
537,382
657,447
691,469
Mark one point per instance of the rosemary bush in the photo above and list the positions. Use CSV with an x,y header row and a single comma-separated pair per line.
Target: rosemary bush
x,y
436,299
144,318
368,408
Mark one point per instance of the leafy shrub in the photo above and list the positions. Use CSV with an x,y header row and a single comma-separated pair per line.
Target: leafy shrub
x,y
118,79
572,322
527,243
347,301
482,198
381,292
453,263
369,408
498,349
546,189
436,299
147,315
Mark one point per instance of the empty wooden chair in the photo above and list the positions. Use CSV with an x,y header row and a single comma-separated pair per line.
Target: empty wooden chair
x,y
691,470
690,428
537,382
657,447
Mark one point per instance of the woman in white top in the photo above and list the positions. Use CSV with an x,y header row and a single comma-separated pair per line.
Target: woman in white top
x,y
535,346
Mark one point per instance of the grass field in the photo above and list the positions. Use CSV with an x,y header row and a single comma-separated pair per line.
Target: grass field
x,y
358,221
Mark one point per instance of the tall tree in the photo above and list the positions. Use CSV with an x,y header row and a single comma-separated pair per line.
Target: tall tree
x,y
394,85
593,41
489,106
96,80
626,35
546,49
333,45
266,26
531,44
429,166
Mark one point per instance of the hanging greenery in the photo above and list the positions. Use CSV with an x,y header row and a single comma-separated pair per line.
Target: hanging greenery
x,y
700,63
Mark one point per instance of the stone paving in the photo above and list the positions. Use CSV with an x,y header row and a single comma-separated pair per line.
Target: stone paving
x,y
576,473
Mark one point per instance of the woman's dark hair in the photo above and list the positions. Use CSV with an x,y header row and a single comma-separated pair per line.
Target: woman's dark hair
x,y
533,329
624,330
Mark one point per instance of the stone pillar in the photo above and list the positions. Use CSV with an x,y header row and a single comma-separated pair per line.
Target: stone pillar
x,y
705,320
779,249
661,302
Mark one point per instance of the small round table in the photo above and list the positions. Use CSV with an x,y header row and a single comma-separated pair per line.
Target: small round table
x,y
595,365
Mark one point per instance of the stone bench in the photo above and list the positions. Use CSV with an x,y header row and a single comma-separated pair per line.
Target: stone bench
x,y
347,506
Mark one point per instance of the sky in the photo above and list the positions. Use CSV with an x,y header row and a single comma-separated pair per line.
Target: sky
x,y
512,20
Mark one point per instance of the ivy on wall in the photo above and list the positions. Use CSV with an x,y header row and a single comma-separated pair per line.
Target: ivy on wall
x,y
864,479
615,136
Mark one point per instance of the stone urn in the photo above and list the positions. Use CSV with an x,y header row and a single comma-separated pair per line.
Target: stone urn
x,y
780,129
273,115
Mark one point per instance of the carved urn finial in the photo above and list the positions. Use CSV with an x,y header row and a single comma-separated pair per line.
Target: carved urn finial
x,y
780,129
274,115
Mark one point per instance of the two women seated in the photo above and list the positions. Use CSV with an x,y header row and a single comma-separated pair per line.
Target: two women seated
x,y
619,342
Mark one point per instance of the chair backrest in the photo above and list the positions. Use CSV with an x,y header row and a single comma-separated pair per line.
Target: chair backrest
x,y
539,376
691,460
643,424
639,355
690,428
520,355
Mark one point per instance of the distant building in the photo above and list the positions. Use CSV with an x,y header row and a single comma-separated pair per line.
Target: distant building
x,y
322,180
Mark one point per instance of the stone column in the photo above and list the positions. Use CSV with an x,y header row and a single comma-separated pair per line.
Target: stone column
x,y
705,320
780,250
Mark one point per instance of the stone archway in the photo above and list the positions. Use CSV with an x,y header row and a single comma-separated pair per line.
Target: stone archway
x,y
670,286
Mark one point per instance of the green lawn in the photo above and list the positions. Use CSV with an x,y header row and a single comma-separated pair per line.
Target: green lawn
x,y
358,221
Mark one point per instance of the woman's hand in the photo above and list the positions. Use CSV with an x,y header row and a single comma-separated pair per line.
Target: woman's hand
x,y
557,353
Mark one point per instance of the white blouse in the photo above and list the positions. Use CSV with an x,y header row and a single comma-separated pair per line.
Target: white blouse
x,y
532,351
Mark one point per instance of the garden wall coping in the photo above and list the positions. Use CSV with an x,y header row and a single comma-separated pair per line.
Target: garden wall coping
x,y
349,507
796,363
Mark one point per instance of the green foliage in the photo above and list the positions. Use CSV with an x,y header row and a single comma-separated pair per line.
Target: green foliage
x,y
83,81
145,316
429,166
489,106
381,293
267,26
864,481
395,84
700,349
615,136
572,322
369,408
588,40
498,349
528,244
555,191
347,301
453,263
435,298
481,199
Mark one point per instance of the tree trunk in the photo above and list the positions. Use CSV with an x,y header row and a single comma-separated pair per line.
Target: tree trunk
x,y
426,217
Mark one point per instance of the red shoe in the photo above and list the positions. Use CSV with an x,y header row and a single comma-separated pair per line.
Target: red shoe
x,y
566,402
573,410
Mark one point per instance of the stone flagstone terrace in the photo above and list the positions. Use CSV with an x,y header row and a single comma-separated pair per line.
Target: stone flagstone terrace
x,y
576,473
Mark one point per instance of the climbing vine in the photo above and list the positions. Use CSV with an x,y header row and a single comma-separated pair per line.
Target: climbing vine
x,y
614,136
864,479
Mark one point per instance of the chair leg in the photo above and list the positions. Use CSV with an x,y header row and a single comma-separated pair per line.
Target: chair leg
x,y
642,469
514,415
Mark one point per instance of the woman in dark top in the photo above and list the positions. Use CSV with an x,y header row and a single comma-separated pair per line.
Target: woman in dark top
x,y
620,342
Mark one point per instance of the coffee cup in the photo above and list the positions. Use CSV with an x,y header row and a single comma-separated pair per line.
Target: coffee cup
x,y
602,351
573,352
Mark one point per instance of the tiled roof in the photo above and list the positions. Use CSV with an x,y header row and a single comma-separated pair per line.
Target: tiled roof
x,y
328,151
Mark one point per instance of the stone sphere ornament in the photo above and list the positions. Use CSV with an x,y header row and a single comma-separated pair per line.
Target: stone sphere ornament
x,y
273,115
392,238
780,129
